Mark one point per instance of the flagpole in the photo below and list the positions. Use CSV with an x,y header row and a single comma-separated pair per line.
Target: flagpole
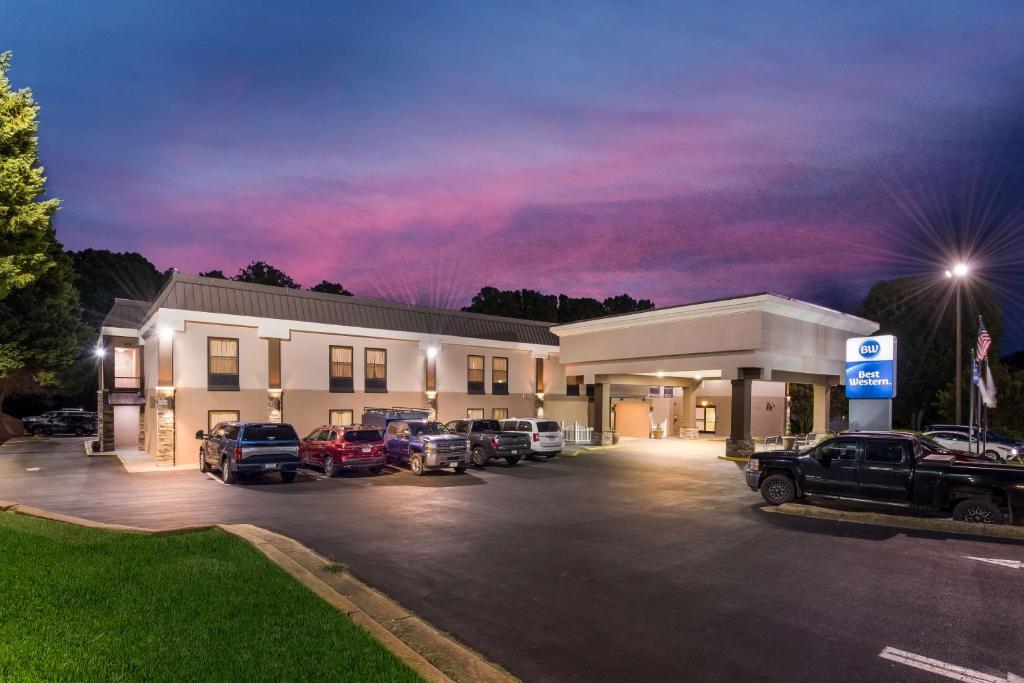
x,y
970,419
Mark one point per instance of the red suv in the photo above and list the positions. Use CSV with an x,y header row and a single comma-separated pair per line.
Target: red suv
x,y
334,448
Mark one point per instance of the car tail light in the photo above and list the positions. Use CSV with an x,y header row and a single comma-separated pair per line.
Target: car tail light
x,y
238,452
536,436
494,441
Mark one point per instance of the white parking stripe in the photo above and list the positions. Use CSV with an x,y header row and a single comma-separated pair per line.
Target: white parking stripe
x,y
957,673
33,469
216,479
1010,564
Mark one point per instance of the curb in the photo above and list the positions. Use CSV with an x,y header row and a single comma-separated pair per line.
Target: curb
x,y
434,655
899,521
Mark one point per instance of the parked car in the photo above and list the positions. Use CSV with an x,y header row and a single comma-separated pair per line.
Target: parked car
x,y
78,423
959,441
333,448
991,436
65,420
893,468
487,441
424,445
239,448
545,435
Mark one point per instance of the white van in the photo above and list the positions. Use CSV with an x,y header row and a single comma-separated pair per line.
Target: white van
x,y
545,435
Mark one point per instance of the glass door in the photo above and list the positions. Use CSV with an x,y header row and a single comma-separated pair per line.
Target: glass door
x,y
707,419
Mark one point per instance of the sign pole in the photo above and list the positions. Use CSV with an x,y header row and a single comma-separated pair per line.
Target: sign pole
x,y
970,418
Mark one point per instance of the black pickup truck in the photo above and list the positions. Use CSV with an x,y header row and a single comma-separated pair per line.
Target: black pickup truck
x,y
894,468
487,441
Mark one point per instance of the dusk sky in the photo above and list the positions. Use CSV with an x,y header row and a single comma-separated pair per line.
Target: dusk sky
x,y
418,151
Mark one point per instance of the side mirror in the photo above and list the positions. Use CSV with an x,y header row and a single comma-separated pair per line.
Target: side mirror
x,y
200,434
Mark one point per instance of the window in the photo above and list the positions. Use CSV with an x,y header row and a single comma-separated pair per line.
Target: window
x,y
572,387
340,418
377,370
884,452
667,392
126,367
499,375
215,416
475,413
341,369
475,375
222,364
839,449
499,413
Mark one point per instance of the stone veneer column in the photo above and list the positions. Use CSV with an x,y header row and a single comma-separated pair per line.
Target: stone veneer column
x,y
104,422
740,443
603,432
165,427
275,405
142,427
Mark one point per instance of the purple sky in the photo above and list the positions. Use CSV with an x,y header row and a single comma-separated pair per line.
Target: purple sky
x,y
673,151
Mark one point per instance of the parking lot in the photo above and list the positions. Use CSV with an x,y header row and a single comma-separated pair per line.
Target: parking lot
x,y
650,561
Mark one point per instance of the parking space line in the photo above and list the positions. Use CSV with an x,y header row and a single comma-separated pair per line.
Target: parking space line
x,y
957,673
216,479
33,469
1009,564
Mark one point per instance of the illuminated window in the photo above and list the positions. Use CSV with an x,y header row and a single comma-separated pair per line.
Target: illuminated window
x,y
499,413
217,416
475,375
341,369
475,413
126,367
340,418
377,370
222,364
499,375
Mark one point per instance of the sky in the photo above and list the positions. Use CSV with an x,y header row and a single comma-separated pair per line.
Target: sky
x,y
675,151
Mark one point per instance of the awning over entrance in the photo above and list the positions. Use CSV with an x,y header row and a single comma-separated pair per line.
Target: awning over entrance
x,y
763,337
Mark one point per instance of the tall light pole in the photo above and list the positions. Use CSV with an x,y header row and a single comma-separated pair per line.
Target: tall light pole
x,y
957,274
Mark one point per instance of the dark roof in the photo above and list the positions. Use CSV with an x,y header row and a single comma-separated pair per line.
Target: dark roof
x,y
192,293
126,313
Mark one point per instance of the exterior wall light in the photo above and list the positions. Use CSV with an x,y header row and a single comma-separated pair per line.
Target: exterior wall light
x,y
432,352
166,333
100,352
431,395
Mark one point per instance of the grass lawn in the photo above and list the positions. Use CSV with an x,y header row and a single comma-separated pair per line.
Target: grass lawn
x,y
83,604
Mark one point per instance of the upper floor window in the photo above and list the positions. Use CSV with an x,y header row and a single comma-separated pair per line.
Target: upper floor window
x,y
499,375
475,375
341,368
376,370
126,367
572,385
222,364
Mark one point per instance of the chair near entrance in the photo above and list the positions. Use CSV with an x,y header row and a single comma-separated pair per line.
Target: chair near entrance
x,y
769,443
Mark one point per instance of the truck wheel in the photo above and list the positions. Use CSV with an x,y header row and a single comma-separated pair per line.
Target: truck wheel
x,y
416,464
778,489
204,466
478,457
329,466
226,475
512,459
288,477
978,511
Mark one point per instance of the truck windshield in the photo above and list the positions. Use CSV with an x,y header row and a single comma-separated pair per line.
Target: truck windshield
x,y
269,432
427,428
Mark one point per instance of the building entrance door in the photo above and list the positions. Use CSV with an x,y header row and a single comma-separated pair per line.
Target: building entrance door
x,y
707,419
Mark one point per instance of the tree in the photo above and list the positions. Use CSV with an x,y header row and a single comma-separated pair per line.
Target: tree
x,y
101,276
533,305
262,273
215,274
326,287
26,237
571,309
624,303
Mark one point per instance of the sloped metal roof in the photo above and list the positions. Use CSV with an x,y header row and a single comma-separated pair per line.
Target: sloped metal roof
x,y
193,293
126,313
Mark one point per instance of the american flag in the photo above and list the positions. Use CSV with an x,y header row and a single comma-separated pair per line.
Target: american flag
x,y
984,341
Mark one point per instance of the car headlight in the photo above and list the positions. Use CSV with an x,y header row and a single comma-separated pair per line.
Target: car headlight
x,y
431,448
754,464
1014,452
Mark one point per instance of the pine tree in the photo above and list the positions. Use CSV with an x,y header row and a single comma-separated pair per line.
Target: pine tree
x,y
25,230
42,335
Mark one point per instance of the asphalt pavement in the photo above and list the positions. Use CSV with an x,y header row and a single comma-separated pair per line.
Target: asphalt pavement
x,y
649,562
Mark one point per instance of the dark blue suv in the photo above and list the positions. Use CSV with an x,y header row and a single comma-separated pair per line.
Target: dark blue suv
x,y
237,448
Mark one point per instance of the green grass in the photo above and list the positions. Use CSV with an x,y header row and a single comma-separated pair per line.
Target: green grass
x,y
80,604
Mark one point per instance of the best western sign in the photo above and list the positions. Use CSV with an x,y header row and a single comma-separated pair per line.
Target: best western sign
x,y
871,367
